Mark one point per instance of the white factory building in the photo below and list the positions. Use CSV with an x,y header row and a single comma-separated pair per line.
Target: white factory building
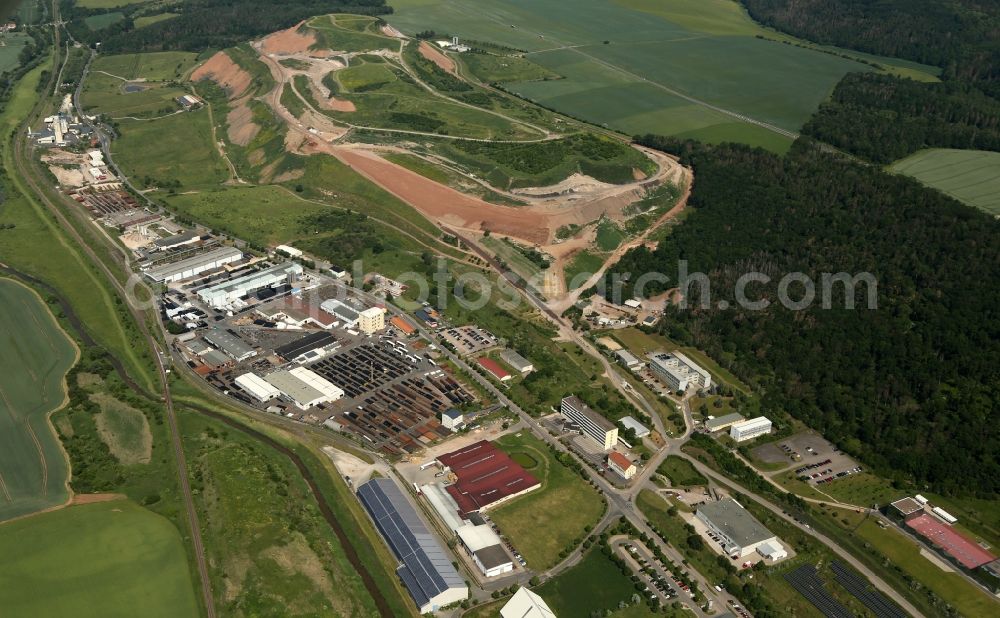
x,y
678,371
592,424
219,296
257,387
304,387
748,430
372,320
740,532
347,316
485,548
526,604
195,265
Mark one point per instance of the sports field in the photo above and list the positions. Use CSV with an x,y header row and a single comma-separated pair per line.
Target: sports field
x,y
96,560
644,66
970,176
36,356
546,521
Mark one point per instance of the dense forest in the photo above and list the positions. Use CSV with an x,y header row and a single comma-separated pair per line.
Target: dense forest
x,y
883,118
910,387
960,36
208,24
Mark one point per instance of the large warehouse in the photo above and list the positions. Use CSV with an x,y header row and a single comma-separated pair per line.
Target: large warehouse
x,y
195,265
426,568
257,387
741,533
304,387
485,548
218,296
486,477
748,430
678,371
600,429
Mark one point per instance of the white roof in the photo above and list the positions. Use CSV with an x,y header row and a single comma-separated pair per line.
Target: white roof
x,y
478,537
292,251
754,423
630,423
313,379
634,303
771,548
526,604
372,312
257,386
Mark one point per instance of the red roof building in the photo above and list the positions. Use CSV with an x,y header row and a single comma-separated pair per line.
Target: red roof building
x,y
621,464
486,477
496,370
968,553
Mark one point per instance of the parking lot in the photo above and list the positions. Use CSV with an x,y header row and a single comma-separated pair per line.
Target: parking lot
x,y
658,581
469,340
816,460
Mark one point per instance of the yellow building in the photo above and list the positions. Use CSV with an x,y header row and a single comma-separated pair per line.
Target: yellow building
x,y
371,320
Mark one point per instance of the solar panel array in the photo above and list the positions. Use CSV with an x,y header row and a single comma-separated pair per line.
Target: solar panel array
x,y
426,569
805,580
872,599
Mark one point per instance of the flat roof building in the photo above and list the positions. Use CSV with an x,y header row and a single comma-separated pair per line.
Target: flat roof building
x,y
598,428
177,240
195,265
515,360
739,531
403,325
426,569
304,387
486,475
907,506
231,344
308,348
621,464
965,551
641,431
627,359
257,387
723,422
526,604
679,372
346,314
371,320
452,419
223,294
748,430
485,548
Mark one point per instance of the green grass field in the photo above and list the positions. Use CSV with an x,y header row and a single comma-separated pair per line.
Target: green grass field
x,y
581,267
149,20
124,429
969,176
609,235
626,63
14,42
173,149
96,560
544,522
105,94
680,472
103,20
596,583
37,354
489,68
106,4
154,67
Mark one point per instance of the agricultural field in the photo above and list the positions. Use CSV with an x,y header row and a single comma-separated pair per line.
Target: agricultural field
x,y
95,560
595,583
491,68
543,523
103,20
639,66
169,152
969,176
13,44
37,355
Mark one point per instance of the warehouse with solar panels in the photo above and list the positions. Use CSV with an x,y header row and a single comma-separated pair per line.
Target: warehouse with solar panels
x,y
426,568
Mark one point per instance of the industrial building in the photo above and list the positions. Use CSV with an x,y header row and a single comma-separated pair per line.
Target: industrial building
x,y
486,477
308,348
195,265
403,325
526,604
426,569
678,371
627,359
231,344
725,421
963,550
372,320
515,360
493,368
257,387
304,387
347,315
641,431
223,294
772,550
452,419
622,465
289,251
485,548
600,429
739,531
748,430
294,311
177,240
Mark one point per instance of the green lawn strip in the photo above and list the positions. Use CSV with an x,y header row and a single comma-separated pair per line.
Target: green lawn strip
x,y
37,355
595,584
546,522
94,561
581,267
680,472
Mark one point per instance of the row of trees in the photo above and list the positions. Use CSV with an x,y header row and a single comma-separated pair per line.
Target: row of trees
x,y
910,386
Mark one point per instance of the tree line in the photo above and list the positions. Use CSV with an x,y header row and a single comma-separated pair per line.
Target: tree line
x,y
910,387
